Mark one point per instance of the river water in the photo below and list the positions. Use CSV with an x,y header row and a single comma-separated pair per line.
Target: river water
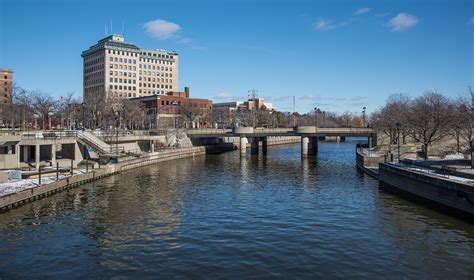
x,y
222,217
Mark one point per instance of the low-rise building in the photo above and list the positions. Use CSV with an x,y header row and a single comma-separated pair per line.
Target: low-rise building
x,y
231,106
177,109
244,105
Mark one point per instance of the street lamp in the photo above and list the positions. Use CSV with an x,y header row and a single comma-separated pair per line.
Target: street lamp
x,y
363,116
316,116
398,140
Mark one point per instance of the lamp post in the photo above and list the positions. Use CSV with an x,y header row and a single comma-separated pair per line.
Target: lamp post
x,y
83,117
316,116
398,140
363,116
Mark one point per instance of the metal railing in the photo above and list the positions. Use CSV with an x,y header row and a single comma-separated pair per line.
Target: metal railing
x,y
49,135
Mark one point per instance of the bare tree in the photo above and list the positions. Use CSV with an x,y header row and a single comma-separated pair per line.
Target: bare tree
x,y
66,109
93,106
133,113
430,118
42,104
392,118
464,117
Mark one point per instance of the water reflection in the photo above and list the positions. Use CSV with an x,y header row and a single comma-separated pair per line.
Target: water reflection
x,y
221,216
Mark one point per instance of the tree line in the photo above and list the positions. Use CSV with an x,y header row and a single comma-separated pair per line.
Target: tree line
x,y
426,119
31,110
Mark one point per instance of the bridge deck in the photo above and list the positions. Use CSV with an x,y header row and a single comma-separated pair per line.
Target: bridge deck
x,y
265,132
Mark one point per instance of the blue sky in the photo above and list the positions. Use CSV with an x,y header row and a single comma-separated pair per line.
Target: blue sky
x,y
336,55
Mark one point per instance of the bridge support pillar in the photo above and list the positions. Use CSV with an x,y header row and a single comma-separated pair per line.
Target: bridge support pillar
x,y
152,146
254,146
53,154
313,146
304,146
342,138
309,146
37,156
264,146
243,146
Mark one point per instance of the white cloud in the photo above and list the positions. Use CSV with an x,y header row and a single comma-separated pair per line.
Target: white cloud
x,y
161,29
471,20
223,96
361,11
323,24
310,97
402,22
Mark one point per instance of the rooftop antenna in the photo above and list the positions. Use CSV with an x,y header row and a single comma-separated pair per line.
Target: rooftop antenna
x,y
106,30
111,29
122,28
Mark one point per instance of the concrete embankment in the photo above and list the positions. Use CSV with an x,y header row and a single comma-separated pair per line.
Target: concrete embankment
x,y
430,184
452,192
15,199
368,164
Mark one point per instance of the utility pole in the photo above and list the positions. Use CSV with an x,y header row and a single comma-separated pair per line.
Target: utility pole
x,y
254,108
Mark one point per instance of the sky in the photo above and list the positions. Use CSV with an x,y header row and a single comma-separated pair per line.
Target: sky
x,y
335,55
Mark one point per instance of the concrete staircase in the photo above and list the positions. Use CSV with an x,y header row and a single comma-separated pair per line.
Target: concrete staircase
x,y
89,139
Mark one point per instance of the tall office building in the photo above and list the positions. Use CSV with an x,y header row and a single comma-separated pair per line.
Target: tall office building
x,y
115,68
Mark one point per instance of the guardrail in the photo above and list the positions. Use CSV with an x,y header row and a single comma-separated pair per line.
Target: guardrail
x,y
48,135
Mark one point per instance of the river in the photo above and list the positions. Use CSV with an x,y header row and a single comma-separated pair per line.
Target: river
x,y
218,216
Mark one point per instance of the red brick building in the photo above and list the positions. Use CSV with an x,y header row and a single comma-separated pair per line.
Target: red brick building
x,y
6,85
177,109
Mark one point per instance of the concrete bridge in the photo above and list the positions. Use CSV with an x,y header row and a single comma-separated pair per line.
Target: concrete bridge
x,y
309,136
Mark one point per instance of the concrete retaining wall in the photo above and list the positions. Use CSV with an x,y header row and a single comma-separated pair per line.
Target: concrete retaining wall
x,y
19,198
366,161
450,193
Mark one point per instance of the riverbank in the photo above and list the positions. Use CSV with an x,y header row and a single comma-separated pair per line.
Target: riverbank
x,y
15,199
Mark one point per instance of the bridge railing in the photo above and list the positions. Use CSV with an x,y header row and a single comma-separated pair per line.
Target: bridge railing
x,y
208,131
